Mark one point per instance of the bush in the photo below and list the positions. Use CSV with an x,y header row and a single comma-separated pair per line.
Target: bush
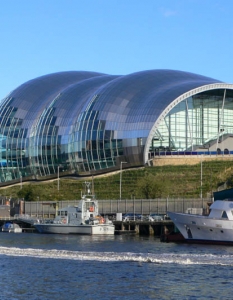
x,y
27,193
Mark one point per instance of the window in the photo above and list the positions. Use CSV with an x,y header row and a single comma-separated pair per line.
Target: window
x,y
224,215
226,151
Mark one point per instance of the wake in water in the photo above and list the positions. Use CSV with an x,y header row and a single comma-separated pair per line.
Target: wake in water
x,y
164,258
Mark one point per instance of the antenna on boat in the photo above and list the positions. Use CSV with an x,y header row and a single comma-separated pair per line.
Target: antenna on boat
x,y
92,183
87,187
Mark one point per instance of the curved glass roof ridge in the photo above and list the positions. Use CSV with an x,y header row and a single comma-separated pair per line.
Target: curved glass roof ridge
x,y
34,95
144,95
92,121
67,106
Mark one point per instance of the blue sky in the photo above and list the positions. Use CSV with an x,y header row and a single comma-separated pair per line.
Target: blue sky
x,y
39,37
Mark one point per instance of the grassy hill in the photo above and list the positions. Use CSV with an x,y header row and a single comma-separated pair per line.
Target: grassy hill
x,y
183,181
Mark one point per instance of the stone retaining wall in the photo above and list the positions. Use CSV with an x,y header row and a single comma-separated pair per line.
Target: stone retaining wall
x,y
187,160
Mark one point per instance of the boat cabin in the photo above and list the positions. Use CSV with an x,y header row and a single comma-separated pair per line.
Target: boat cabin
x,y
86,210
221,210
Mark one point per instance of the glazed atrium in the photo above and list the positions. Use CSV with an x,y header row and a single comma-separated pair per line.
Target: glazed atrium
x,y
80,123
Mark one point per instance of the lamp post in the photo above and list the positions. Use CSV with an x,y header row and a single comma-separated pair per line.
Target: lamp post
x,y
201,183
122,162
21,182
58,178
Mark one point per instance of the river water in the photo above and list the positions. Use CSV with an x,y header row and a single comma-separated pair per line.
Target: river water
x,y
38,267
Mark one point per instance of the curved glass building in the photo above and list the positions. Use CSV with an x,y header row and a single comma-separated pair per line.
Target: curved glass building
x,y
86,123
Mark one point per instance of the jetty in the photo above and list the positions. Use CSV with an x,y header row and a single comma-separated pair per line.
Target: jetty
x,y
155,228
138,227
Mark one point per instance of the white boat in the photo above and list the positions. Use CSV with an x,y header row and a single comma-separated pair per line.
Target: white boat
x,y
11,227
217,227
81,219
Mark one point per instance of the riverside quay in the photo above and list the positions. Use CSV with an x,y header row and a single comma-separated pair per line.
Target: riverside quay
x,y
25,212
47,209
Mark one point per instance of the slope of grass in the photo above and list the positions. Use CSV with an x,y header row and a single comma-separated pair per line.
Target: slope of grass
x,y
182,181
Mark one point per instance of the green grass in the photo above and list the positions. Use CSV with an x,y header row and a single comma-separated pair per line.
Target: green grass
x,y
182,181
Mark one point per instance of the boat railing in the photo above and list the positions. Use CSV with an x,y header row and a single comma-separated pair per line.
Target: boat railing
x,y
7,218
46,221
22,216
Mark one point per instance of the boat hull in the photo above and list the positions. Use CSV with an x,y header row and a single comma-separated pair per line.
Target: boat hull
x,y
100,229
179,239
14,230
197,228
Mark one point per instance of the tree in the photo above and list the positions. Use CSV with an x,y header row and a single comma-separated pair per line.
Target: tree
x,y
150,187
27,193
230,182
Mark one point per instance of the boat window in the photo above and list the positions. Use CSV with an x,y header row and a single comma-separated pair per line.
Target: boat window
x,y
90,206
193,222
224,215
63,213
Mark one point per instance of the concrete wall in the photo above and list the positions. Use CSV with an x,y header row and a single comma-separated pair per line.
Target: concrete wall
x,y
4,211
187,160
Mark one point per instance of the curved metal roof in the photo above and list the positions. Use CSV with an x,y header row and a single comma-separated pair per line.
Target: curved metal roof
x,y
133,104
79,103
135,101
129,104
126,103
71,101
139,94
32,97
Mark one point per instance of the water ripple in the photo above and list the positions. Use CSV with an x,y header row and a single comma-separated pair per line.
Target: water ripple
x,y
164,258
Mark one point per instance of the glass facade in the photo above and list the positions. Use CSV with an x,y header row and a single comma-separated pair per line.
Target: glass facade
x,y
87,123
200,122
